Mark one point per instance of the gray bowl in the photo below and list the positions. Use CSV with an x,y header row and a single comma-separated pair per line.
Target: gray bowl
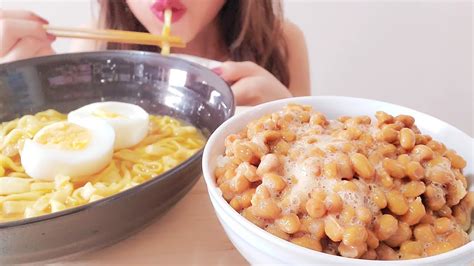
x,y
161,85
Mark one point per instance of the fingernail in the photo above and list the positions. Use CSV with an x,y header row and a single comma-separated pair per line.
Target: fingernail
x,y
217,70
51,37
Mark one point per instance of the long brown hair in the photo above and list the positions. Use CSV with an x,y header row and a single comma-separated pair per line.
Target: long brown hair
x,y
251,29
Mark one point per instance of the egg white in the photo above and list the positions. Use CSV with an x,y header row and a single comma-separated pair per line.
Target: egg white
x,y
130,127
45,162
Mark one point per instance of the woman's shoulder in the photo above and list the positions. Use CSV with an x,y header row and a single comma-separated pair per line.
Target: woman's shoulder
x,y
293,34
298,61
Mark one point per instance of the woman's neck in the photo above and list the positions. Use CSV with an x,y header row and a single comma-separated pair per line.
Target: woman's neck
x,y
208,44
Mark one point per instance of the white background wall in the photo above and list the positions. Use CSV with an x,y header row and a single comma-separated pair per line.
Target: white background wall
x,y
413,53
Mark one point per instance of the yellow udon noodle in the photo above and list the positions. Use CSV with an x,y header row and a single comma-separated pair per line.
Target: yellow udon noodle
x,y
165,47
168,143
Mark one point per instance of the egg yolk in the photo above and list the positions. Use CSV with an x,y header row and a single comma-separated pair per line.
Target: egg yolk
x,y
65,136
105,114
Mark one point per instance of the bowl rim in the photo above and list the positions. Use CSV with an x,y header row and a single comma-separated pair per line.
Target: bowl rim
x,y
136,189
221,204
70,55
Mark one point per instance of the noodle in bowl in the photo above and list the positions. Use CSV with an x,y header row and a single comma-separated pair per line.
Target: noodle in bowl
x,y
168,143
172,90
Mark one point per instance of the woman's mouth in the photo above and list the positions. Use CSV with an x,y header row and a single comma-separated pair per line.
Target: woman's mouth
x,y
159,7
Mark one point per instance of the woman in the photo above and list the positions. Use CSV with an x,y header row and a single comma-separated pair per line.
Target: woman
x,y
265,56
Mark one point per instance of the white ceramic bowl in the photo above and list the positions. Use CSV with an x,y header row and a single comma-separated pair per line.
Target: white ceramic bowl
x,y
260,247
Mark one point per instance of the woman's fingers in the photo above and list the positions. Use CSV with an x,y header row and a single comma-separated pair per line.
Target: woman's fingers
x,y
25,48
44,51
233,71
244,92
21,14
258,89
12,30
22,35
251,84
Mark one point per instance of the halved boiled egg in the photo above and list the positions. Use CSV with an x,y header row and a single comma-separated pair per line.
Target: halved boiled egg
x,y
66,148
129,121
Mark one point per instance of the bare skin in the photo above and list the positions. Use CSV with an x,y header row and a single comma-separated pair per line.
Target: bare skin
x,y
23,37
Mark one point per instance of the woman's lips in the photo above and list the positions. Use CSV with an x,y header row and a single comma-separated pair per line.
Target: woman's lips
x,y
159,7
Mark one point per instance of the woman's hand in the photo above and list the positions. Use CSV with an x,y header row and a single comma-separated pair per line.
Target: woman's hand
x,y
251,83
23,36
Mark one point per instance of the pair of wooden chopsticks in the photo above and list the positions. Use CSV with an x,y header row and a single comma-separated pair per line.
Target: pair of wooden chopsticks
x,y
116,36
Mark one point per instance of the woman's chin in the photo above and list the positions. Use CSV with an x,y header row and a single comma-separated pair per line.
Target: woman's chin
x,y
183,33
